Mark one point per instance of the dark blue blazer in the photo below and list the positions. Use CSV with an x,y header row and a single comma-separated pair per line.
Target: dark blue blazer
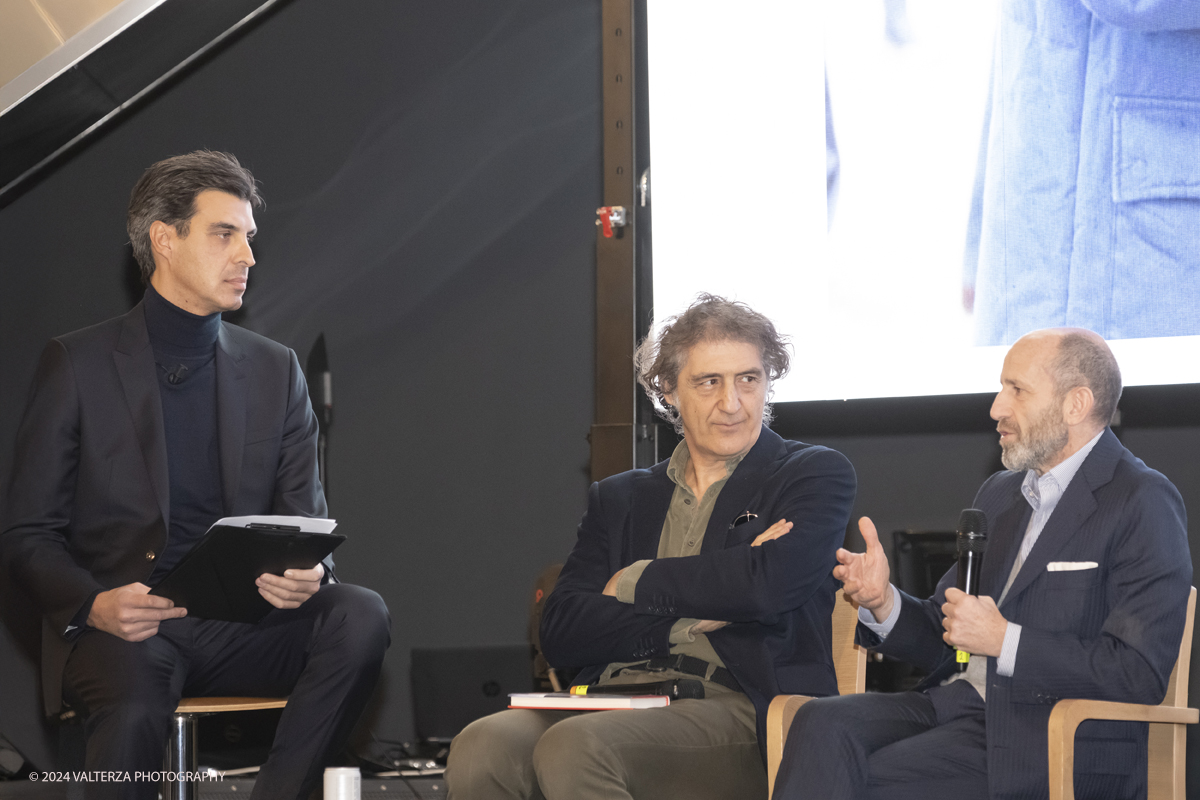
x,y
779,596
88,501
1107,633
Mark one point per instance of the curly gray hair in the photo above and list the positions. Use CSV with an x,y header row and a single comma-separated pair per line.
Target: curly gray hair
x,y
708,319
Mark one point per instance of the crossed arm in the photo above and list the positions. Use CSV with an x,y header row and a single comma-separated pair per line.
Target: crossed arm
x,y
744,583
708,625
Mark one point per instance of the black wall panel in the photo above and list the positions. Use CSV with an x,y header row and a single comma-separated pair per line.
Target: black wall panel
x,y
431,173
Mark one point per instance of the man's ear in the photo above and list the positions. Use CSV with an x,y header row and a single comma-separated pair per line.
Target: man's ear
x,y
162,239
1077,405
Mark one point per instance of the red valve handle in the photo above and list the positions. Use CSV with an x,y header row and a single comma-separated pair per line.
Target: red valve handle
x,y
606,221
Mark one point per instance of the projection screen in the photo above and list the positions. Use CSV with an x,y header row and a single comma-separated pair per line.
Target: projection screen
x,y
907,187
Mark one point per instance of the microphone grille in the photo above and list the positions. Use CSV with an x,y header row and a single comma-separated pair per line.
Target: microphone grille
x,y
972,531
972,521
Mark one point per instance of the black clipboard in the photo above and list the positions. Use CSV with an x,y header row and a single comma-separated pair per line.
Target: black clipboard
x,y
215,580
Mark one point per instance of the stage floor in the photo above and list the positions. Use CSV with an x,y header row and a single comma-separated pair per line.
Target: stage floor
x,y
428,788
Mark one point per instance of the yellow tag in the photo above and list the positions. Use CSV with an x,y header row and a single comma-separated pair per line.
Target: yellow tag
x,y
963,656
578,690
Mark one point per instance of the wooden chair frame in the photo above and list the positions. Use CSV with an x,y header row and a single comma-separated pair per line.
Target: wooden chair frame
x,y
850,664
1168,734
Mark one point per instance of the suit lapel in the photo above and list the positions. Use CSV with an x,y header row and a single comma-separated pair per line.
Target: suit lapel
x,y
1007,530
652,492
740,490
134,360
1076,505
232,391
653,489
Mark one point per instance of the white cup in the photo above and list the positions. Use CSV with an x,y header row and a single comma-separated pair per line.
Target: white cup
x,y
343,783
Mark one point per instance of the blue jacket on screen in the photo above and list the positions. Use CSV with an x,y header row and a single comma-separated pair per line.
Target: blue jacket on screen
x,y
1087,202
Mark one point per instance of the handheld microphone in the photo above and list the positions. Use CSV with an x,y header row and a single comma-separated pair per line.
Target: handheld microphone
x,y
972,542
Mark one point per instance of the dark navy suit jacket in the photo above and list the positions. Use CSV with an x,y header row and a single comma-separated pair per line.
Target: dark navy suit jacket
x,y
88,502
1108,633
779,595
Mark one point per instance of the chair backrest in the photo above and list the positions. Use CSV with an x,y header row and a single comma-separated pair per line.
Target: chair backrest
x,y
850,664
850,660
1167,744
1177,687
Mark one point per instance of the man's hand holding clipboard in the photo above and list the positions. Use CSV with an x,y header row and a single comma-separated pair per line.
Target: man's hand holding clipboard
x,y
245,566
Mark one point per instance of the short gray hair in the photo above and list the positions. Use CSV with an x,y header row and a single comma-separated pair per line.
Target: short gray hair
x,y
1084,359
167,192
708,319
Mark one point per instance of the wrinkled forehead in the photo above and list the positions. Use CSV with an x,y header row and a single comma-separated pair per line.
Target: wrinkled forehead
x,y
727,354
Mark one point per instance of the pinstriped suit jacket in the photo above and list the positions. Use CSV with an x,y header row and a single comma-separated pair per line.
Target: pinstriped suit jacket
x,y
1107,633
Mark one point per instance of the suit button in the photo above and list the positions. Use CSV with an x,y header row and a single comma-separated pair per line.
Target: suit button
x,y
150,556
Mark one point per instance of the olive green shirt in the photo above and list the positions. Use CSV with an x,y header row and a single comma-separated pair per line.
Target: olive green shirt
x,y
682,535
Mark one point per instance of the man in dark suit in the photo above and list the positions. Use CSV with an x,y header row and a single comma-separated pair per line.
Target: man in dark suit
x,y
141,432
712,567
1083,593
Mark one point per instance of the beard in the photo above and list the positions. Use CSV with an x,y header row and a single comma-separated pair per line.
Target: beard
x,y
1034,448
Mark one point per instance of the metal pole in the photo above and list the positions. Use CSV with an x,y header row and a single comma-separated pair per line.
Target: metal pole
x,y
181,757
613,435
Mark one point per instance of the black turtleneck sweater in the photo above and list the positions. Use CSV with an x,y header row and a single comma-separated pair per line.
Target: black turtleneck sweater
x,y
189,405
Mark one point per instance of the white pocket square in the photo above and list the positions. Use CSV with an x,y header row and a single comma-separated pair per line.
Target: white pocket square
x,y
1070,566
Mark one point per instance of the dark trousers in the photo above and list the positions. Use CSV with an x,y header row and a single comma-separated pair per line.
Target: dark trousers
x,y
325,655
907,746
